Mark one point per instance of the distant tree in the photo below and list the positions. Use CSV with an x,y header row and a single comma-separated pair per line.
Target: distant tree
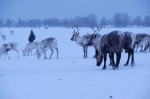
x,y
19,23
1,22
117,21
92,19
39,23
126,20
137,21
103,22
146,21
8,23
121,20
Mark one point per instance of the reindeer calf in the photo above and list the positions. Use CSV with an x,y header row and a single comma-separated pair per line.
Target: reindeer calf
x,y
49,43
8,47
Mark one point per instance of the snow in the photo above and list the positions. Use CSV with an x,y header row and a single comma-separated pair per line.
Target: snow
x,y
71,76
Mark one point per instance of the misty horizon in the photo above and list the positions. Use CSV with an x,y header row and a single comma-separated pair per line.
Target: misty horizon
x,y
43,9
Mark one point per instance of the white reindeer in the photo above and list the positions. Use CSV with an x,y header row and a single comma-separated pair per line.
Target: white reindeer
x,y
49,43
95,39
138,40
82,40
3,36
145,42
11,32
29,47
8,47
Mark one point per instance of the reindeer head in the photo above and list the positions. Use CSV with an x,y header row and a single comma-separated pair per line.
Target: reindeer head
x,y
24,52
75,34
93,36
99,58
39,52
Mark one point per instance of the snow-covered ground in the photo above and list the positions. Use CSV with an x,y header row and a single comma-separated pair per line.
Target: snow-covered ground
x,y
70,76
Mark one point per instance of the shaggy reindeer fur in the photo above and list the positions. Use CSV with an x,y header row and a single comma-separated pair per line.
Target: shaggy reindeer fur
x,y
29,47
49,43
8,47
139,42
115,42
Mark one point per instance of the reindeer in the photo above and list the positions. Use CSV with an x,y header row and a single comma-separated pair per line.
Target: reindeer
x,y
115,42
29,47
8,47
138,39
145,42
49,43
129,39
95,39
3,36
11,32
110,43
81,40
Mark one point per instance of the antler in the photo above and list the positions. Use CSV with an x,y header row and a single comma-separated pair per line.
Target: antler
x,y
98,29
74,31
77,29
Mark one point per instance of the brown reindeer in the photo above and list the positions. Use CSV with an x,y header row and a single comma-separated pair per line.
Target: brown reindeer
x,y
129,39
115,42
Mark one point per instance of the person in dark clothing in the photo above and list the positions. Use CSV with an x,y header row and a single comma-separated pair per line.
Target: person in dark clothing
x,y
31,36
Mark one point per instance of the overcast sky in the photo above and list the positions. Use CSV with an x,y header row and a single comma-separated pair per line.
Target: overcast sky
x,y
29,9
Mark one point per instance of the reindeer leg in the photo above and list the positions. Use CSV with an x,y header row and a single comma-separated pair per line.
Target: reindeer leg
x,y
35,53
28,53
84,52
132,61
105,59
117,60
57,52
86,49
149,47
17,53
141,48
111,57
44,50
146,48
129,54
52,51
7,55
96,53
31,52
137,48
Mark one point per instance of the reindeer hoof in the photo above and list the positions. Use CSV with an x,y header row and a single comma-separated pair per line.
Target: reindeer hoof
x,y
111,64
115,68
132,64
126,65
103,68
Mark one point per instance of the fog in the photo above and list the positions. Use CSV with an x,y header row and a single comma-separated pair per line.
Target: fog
x,y
29,9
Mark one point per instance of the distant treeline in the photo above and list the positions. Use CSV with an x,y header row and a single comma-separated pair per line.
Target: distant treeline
x,y
118,20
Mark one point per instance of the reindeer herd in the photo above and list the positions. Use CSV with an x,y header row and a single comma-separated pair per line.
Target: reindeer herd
x,y
112,43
